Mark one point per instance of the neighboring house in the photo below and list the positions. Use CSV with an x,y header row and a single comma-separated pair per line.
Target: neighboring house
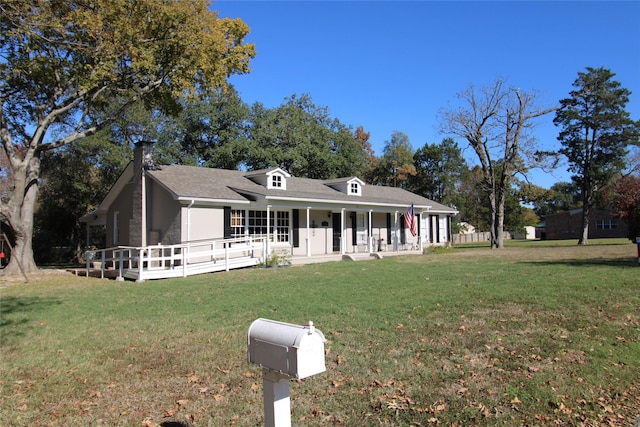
x,y
466,228
568,225
170,204
528,233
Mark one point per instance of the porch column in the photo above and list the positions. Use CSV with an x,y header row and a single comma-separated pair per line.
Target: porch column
x,y
421,235
343,241
143,214
268,227
395,232
369,229
308,233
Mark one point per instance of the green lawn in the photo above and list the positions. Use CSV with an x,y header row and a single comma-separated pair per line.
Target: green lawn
x,y
539,333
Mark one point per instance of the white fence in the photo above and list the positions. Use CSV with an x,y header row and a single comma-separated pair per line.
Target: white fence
x,y
181,260
476,237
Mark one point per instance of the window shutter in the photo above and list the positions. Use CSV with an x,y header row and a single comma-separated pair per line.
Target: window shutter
x,y
227,222
296,228
388,228
354,229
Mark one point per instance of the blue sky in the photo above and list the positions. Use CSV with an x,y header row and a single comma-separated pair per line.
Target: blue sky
x,y
390,66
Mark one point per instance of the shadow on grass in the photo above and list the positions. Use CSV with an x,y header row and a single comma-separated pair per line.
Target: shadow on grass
x,y
591,262
17,311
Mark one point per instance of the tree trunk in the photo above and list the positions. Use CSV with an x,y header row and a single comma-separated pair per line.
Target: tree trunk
x,y
493,230
500,220
20,209
584,238
586,211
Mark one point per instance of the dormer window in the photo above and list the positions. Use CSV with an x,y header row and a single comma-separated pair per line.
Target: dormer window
x,y
349,186
272,179
354,188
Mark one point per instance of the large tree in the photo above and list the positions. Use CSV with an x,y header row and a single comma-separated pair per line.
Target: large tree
x,y
396,163
75,178
496,122
626,202
595,133
561,197
439,168
303,139
210,131
68,69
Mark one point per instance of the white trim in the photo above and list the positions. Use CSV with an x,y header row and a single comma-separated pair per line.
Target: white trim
x,y
212,201
308,248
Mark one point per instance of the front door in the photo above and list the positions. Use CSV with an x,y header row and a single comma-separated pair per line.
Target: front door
x,y
337,231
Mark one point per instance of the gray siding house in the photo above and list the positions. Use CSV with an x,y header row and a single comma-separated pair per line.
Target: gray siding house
x,y
153,205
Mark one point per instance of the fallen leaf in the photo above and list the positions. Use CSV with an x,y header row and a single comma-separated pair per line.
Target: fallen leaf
x,y
149,423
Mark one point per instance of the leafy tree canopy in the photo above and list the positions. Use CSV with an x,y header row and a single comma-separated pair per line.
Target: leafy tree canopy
x,y
396,164
595,132
69,69
439,168
303,139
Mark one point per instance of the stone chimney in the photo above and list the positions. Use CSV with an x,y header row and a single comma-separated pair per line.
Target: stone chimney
x,y
143,156
142,162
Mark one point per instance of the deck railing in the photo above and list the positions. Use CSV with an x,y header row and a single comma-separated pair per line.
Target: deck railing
x,y
163,261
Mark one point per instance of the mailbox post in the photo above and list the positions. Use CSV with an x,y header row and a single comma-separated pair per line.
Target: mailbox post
x,y
283,351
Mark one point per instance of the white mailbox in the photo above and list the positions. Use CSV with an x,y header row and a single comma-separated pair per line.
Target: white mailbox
x,y
296,351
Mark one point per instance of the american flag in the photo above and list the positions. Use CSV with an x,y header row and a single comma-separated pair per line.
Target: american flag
x,y
410,221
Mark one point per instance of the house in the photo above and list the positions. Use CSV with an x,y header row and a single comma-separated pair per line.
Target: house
x,y
466,228
163,208
568,225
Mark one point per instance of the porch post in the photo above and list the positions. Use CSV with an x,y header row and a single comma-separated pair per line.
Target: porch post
x,y
246,223
268,227
421,235
343,241
308,233
143,215
395,232
369,236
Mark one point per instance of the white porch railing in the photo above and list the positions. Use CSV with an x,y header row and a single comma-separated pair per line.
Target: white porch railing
x,y
180,260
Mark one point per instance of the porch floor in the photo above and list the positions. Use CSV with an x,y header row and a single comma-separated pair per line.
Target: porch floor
x,y
316,259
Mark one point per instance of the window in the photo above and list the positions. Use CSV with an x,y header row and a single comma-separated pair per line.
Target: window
x,y
354,188
237,222
282,226
276,181
257,222
607,224
278,224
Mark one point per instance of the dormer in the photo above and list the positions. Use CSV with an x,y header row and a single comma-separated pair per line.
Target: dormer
x,y
349,186
272,179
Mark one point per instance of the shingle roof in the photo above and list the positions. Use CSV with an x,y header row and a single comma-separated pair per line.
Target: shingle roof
x,y
233,185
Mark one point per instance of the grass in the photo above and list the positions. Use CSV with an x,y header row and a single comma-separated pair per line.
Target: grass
x,y
539,333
